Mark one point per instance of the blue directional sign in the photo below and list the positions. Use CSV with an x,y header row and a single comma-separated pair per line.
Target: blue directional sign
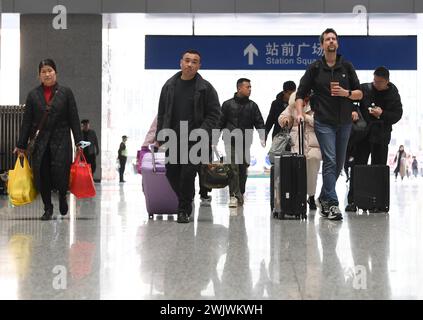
x,y
279,52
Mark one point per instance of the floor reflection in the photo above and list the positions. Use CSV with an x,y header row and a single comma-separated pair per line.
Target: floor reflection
x,y
108,248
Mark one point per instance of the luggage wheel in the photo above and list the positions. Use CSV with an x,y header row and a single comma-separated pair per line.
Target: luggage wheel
x,y
150,216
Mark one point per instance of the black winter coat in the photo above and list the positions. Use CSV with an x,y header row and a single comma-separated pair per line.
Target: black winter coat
x,y
62,118
242,113
328,109
206,105
278,106
390,102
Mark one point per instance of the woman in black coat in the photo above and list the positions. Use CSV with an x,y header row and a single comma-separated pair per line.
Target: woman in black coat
x,y
52,155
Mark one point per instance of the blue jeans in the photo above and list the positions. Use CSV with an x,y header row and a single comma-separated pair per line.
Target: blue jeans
x,y
333,141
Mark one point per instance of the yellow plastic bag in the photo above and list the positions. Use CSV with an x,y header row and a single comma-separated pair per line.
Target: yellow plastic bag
x,y
20,186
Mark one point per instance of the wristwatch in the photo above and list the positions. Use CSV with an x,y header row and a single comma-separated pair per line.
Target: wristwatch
x,y
349,93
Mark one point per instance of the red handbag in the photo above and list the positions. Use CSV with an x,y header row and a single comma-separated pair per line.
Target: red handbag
x,y
81,182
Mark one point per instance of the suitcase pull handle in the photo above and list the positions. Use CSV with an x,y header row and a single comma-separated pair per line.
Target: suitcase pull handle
x,y
301,137
216,153
152,149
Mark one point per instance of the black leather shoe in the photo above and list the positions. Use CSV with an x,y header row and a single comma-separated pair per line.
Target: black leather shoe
x,y
351,207
311,203
48,213
63,206
182,217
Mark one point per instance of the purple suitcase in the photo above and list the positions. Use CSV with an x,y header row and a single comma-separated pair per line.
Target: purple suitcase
x,y
159,195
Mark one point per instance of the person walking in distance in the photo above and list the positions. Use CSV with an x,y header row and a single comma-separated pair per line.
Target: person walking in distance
x,y
122,157
401,160
277,107
91,151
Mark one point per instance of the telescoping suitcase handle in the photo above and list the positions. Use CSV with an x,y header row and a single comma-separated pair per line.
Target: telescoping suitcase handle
x,y
153,148
217,154
301,137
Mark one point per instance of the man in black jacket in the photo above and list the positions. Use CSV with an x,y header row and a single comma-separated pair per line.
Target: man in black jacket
x,y
122,157
187,102
381,107
335,86
92,151
279,105
240,115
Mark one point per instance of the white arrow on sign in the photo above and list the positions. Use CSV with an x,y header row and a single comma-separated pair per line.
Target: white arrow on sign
x,y
251,51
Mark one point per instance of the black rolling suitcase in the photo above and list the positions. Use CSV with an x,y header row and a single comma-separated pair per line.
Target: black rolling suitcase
x,y
290,183
279,146
371,187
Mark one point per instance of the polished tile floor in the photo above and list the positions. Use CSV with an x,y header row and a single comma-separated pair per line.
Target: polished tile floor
x,y
107,248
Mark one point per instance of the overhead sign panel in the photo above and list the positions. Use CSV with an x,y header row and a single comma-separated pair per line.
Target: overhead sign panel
x,y
279,52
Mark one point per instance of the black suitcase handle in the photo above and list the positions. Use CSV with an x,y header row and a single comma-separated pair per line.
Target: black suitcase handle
x,y
301,137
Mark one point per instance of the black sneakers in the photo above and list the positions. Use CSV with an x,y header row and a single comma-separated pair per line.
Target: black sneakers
x,y
48,213
334,213
351,207
324,207
329,210
311,203
182,217
63,206
205,201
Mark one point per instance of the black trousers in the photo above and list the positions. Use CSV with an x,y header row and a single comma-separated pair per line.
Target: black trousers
x,y
182,180
91,160
122,164
379,155
46,181
203,190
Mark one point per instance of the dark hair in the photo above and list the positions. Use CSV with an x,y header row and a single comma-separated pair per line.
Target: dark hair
x,y
47,62
289,86
191,51
382,72
328,30
84,121
240,81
